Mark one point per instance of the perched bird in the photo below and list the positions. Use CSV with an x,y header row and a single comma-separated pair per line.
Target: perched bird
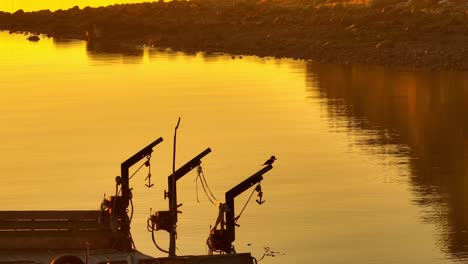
x,y
269,161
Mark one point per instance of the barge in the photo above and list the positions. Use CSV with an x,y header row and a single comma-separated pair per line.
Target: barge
x,y
104,236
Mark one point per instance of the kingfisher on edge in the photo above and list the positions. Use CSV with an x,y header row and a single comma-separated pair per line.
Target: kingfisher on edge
x,y
269,161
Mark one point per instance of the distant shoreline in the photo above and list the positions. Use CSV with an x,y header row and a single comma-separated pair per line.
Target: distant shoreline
x,y
394,34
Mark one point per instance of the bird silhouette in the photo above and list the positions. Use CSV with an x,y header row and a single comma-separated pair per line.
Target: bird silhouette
x,y
269,161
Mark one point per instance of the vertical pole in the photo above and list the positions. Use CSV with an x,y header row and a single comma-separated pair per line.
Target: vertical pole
x,y
173,204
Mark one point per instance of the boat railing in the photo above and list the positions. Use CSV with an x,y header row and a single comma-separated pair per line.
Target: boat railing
x,y
55,230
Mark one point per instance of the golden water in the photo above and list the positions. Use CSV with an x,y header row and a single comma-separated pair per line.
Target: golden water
x,y
34,5
371,162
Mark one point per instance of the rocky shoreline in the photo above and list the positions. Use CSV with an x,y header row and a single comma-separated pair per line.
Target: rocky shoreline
x,y
423,34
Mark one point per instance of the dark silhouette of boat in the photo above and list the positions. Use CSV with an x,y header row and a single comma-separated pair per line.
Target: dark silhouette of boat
x,y
104,236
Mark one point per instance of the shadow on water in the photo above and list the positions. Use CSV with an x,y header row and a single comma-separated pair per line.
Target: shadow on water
x,y
102,51
422,115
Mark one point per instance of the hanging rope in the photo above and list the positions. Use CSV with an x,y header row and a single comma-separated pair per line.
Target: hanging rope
x,y
196,188
206,183
209,194
245,205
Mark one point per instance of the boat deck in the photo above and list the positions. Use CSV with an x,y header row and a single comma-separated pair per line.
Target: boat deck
x,y
117,257
101,256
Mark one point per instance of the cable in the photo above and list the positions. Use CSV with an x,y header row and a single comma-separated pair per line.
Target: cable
x,y
206,189
261,257
131,214
156,244
150,228
206,193
141,166
196,187
131,240
245,205
206,183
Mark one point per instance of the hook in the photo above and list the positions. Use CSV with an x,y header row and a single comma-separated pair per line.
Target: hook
x,y
149,185
259,201
148,164
260,194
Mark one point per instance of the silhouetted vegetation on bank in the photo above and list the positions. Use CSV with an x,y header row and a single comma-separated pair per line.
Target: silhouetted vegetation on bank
x,y
400,33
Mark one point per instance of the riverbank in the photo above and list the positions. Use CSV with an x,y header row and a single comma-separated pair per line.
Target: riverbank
x,y
426,34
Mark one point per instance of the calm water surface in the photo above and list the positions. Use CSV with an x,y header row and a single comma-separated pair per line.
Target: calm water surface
x,y
372,163
32,5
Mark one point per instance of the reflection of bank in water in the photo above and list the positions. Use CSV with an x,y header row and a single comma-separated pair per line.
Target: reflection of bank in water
x,y
100,40
420,116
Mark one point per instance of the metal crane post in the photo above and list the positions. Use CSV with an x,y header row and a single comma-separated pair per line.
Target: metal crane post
x,y
125,166
172,193
233,193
